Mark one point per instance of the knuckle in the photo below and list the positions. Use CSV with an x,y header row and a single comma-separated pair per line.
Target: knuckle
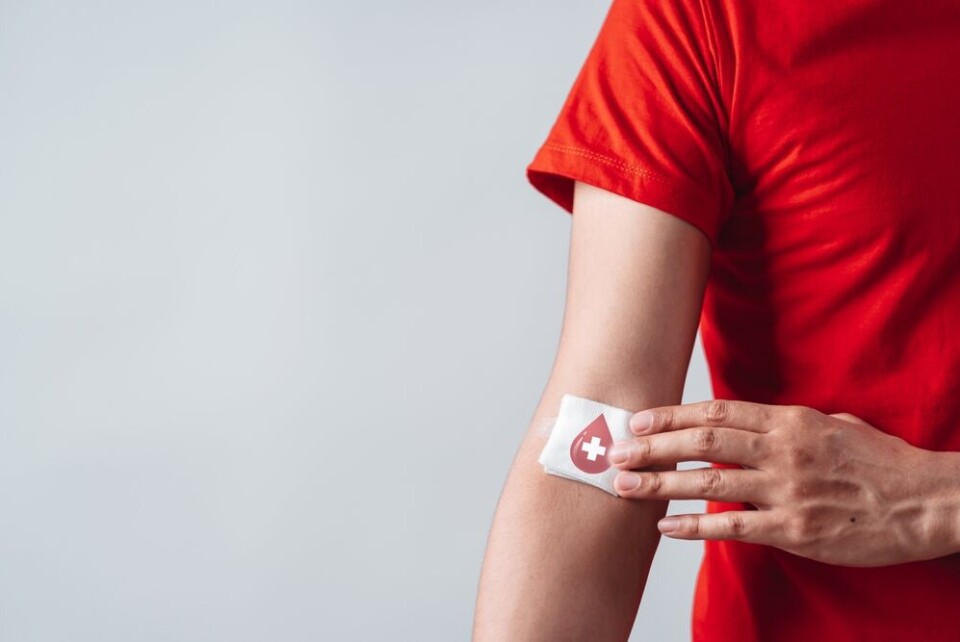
x,y
807,529
642,450
799,414
795,490
710,480
736,524
756,445
704,440
654,482
794,529
717,411
802,527
661,420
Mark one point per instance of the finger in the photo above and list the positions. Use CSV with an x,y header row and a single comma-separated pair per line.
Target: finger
x,y
745,526
716,484
702,443
744,415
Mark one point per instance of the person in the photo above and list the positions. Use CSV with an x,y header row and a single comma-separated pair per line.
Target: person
x,y
783,177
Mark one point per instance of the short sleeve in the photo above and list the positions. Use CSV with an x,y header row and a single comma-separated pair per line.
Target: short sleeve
x,y
644,117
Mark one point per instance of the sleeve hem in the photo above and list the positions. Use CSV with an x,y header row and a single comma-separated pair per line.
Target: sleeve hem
x,y
556,166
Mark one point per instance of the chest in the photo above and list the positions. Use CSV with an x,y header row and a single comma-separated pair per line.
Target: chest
x,y
846,134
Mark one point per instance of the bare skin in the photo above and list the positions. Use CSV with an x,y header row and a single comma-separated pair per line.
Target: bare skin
x,y
564,560
832,488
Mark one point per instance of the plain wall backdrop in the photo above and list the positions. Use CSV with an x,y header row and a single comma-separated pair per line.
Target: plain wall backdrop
x,y
276,306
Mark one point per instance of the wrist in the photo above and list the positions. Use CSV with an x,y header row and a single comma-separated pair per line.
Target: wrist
x,y
944,504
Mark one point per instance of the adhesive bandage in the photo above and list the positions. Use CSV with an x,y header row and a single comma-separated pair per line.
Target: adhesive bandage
x,y
582,435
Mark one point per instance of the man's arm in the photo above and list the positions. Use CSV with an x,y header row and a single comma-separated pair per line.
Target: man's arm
x,y
564,560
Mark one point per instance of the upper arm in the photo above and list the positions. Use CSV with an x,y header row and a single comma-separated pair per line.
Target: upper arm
x,y
635,284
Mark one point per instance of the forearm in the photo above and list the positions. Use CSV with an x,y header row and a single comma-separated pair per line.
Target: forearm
x,y
564,560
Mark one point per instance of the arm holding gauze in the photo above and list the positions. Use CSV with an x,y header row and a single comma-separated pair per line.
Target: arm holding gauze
x,y
581,438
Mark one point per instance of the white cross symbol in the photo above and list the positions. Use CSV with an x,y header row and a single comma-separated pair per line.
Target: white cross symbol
x,y
593,448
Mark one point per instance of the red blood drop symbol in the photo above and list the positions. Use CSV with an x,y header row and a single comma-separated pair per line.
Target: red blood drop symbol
x,y
589,448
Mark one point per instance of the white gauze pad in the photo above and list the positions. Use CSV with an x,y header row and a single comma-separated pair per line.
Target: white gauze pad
x,y
581,437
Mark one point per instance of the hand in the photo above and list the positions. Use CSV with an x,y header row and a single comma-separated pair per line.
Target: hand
x,y
828,487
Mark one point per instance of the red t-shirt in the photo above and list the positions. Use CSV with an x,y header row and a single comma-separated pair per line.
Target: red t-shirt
x,y
817,146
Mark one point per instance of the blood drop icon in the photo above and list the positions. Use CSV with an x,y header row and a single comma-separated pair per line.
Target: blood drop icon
x,y
589,448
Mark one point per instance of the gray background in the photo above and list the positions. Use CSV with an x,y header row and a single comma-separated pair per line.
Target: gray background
x,y
276,304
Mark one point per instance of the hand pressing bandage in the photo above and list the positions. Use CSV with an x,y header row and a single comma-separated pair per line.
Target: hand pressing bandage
x,y
582,435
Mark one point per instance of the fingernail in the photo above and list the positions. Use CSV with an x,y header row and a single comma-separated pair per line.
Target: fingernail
x,y
619,452
641,421
668,524
626,481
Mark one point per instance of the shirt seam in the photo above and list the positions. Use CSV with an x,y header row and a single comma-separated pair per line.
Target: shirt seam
x,y
670,184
